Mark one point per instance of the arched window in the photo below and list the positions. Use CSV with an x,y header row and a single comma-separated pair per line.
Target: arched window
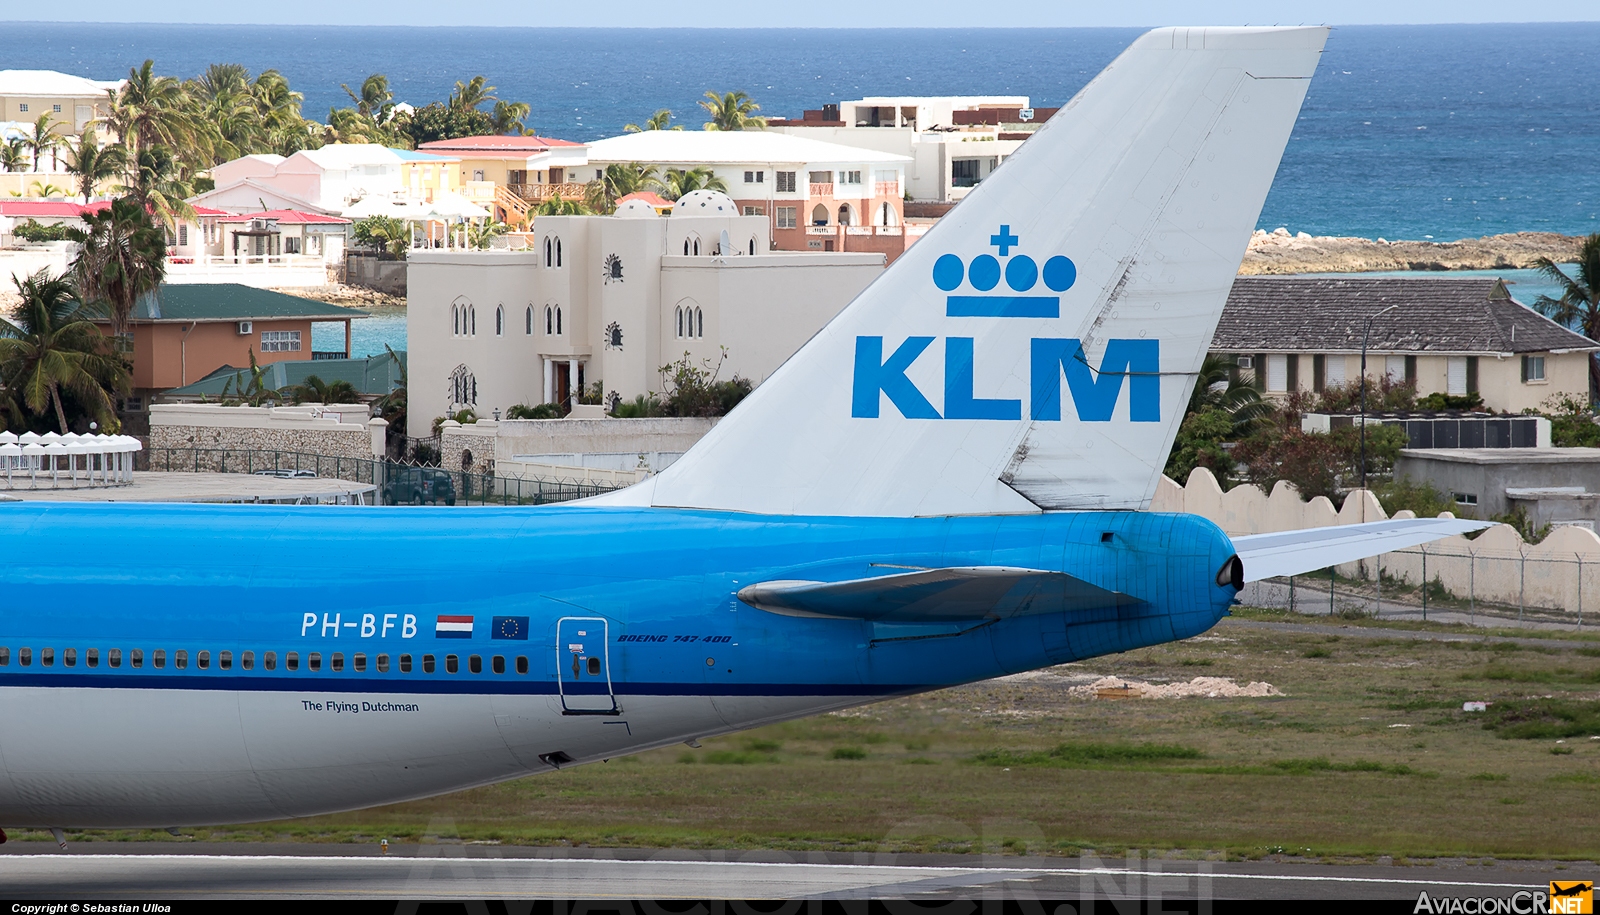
x,y
472,320
844,214
558,251
752,244
558,321
680,322
686,246
463,387
819,215
455,319
547,258
499,320
697,246
549,320
529,321
699,323
886,214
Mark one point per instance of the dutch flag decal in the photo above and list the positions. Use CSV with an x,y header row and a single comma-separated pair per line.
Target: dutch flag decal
x,y
453,627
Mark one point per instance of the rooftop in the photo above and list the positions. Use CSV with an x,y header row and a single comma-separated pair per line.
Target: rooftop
x,y
373,376
232,302
347,155
49,83
495,144
693,147
412,155
1327,315
45,209
286,217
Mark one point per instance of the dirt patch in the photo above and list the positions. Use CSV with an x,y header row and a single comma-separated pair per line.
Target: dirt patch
x,y
1199,687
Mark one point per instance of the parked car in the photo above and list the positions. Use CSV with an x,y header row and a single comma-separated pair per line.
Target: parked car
x,y
416,485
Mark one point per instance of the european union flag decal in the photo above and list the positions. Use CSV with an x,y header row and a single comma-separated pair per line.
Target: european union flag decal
x,y
509,627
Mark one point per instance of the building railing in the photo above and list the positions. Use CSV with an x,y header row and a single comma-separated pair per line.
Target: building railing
x,y
886,189
538,193
202,262
397,482
821,190
822,230
317,354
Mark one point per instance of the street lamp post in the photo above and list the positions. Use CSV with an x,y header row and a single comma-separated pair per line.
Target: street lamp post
x,y
1365,335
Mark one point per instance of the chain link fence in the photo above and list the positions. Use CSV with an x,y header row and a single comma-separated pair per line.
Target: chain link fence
x,y
397,482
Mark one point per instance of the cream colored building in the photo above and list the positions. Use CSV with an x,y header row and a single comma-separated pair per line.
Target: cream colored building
x,y
614,298
70,101
1446,336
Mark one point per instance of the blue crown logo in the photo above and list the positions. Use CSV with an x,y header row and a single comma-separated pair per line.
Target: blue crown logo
x,y
1022,274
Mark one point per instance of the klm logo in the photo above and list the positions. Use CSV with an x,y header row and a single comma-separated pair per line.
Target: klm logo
x,y
1094,391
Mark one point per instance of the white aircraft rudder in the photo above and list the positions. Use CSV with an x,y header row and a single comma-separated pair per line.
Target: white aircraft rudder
x,y
1035,350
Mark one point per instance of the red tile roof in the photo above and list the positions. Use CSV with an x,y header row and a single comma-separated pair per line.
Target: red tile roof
x,y
47,209
649,197
290,217
207,211
496,144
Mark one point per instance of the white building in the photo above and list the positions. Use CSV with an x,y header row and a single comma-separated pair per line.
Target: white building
x,y
614,298
326,180
954,142
816,196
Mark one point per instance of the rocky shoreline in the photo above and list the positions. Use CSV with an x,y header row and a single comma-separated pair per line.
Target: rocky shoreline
x,y
1279,252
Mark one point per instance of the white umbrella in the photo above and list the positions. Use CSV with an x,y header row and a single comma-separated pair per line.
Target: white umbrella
x,y
453,206
379,206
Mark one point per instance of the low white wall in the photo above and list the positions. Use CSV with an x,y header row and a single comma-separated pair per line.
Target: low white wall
x,y
598,436
262,276
336,430
1496,566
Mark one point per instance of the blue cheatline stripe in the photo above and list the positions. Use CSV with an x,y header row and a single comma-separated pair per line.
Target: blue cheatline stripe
x,y
1002,306
436,684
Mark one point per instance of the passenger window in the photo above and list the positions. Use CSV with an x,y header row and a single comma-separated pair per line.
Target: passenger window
x,y
136,658
522,664
180,659
314,661
338,661
269,660
383,663
69,657
114,657
405,663
203,660
427,663
475,664
499,665
594,667
451,664
5,656
247,660
91,657
159,659
225,660
47,656
360,662
25,656
291,661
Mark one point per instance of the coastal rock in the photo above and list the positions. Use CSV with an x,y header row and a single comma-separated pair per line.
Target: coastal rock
x,y
1278,252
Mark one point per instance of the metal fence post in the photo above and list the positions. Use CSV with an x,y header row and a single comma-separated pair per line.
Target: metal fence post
x,y
1522,585
1424,584
1377,613
1580,589
1331,574
1291,593
1472,588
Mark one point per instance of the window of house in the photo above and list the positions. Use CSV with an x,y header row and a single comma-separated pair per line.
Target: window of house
x,y
751,177
699,323
1533,369
752,244
183,234
785,182
850,177
528,321
964,173
472,321
1394,367
549,252
280,341
499,321
1278,372
1455,375
1333,372
1464,498
56,108
558,252
23,107
821,177
754,211
680,321
477,174
558,321
291,245
786,217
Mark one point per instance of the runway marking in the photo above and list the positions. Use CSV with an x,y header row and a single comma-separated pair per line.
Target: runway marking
x,y
907,870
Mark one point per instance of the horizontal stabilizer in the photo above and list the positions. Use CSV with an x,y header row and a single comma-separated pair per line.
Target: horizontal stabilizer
x,y
934,595
1298,552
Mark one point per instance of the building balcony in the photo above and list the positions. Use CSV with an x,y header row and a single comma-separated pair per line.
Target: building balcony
x,y
538,193
886,189
822,230
821,190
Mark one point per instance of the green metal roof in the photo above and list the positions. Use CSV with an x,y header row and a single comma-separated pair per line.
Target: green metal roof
x,y
373,376
232,302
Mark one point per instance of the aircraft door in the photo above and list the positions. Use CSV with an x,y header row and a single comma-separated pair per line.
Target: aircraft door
x,y
583,652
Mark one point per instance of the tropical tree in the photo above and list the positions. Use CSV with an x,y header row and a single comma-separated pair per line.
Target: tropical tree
x,y
14,155
619,180
482,236
388,234
42,139
159,185
375,101
509,117
151,110
1579,304
223,106
48,347
678,182
732,111
315,390
236,391
93,163
469,95
392,406
284,130
555,206
121,256
46,189
437,121
661,120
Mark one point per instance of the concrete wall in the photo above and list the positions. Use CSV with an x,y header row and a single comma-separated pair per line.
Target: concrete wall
x,y
23,262
1561,572
307,429
388,277
1487,472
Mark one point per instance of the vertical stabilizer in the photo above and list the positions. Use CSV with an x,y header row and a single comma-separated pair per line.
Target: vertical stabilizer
x,y
1036,348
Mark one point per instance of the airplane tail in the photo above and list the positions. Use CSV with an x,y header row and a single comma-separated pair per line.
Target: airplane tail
x,y
1036,349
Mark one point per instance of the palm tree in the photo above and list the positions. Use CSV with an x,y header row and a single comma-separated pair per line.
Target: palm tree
x,y
469,95
508,117
315,390
1579,304
658,121
159,185
93,163
1219,386
555,206
375,101
224,107
678,182
151,109
121,256
732,111
13,155
43,139
482,236
392,406
254,393
49,348
619,180
46,189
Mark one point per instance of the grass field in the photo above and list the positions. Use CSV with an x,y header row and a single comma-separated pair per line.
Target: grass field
x,y
1368,753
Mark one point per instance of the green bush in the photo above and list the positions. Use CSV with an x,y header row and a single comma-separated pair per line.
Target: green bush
x,y
538,411
1439,401
1074,755
640,407
33,231
848,753
1539,719
1421,498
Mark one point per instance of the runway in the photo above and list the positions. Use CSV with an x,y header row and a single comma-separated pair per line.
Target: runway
x,y
155,871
